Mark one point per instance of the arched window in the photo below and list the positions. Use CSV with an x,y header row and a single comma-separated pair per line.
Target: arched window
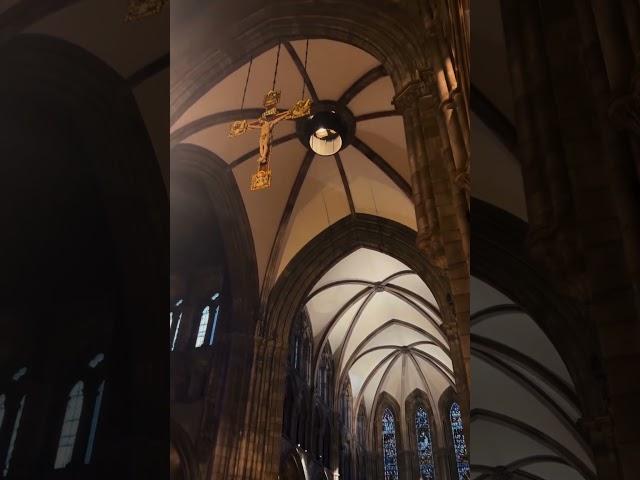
x,y
208,321
300,347
389,451
362,427
175,316
424,446
459,445
14,434
70,426
324,377
345,406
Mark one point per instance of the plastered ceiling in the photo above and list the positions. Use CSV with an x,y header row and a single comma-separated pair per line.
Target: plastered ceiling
x,y
308,193
384,329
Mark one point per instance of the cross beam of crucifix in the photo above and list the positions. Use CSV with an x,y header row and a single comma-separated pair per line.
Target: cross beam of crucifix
x,y
266,123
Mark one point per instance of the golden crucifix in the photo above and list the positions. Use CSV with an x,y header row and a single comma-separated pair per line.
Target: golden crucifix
x,y
265,123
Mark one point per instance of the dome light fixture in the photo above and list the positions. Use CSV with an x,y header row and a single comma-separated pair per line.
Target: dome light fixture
x,y
328,130
326,133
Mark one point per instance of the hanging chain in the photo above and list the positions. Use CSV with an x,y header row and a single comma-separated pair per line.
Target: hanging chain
x,y
306,55
275,74
246,84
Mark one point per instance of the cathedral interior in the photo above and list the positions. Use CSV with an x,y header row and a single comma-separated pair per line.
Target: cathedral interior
x,y
348,298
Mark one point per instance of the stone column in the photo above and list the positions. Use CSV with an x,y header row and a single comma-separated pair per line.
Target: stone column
x,y
248,441
442,463
443,229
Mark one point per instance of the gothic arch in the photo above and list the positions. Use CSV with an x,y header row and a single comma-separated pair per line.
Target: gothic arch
x,y
204,166
416,399
386,401
500,259
388,32
335,243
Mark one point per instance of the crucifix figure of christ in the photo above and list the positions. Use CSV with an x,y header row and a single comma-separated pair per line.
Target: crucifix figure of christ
x,y
266,123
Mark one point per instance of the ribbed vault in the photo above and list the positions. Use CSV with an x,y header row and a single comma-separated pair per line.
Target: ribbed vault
x,y
524,405
384,328
309,193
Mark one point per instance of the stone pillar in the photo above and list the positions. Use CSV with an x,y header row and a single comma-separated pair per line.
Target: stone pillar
x,y
442,463
249,437
460,346
443,226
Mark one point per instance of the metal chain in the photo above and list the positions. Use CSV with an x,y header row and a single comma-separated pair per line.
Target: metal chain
x,y
306,55
246,84
275,74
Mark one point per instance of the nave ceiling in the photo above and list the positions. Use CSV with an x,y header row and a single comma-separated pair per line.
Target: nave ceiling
x,y
309,192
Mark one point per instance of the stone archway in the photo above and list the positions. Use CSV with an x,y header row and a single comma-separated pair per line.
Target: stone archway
x,y
269,371
413,51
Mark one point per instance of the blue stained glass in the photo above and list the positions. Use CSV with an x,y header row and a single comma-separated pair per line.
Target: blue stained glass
x,y
389,445
459,444
425,449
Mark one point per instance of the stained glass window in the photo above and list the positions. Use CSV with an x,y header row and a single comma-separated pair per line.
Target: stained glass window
x,y
14,434
460,447
70,426
389,445
424,447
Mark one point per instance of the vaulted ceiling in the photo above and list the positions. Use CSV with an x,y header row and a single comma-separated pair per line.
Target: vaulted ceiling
x,y
384,329
524,407
308,193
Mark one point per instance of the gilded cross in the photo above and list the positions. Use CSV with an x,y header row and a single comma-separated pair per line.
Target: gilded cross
x,y
266,123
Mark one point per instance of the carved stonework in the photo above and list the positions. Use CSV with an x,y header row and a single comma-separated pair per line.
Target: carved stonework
x,y
410,95
139,9
430,244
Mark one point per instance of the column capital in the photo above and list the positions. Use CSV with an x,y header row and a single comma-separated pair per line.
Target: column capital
x,y
415,91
